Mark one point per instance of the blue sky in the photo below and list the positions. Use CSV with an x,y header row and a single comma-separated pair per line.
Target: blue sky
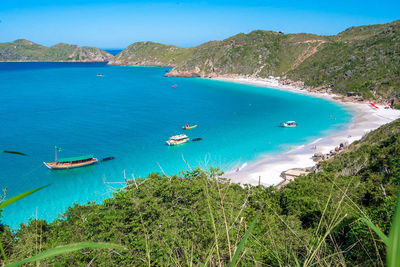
x,y
118,23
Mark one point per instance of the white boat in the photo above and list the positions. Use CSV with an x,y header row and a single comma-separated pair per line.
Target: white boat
x,y
177,140
289,124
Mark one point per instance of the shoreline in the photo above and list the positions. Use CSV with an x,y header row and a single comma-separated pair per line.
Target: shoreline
x,y
268,168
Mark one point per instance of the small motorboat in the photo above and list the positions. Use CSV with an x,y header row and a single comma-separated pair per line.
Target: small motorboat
x,y
197,139
99,75
289,124
188,127
177,140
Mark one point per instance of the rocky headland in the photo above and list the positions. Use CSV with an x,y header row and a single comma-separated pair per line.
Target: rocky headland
x,y
28,51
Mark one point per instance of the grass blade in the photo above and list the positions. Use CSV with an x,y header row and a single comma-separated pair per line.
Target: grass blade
x,y
393,250
63,250
12,152
241,244
18,197
384,238
200,263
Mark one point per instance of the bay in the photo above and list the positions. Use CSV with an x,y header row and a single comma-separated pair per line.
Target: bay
x,y
129,113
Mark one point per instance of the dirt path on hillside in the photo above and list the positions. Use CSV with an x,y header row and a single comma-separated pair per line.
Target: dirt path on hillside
x,y
311,50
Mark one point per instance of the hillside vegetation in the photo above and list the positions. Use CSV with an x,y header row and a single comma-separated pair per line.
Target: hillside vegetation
x,y
361,59
151,54
24,50
196,217
364,60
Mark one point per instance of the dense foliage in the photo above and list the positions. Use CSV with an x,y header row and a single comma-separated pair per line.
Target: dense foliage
x,y
364,60
24,50
197,217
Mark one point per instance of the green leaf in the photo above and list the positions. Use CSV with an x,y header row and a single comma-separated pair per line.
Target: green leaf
x,y
18,197
242,242
393,250
12,152
376,230
200,263
63,250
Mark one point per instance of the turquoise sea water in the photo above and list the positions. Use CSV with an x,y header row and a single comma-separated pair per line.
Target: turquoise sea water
x,y
129,113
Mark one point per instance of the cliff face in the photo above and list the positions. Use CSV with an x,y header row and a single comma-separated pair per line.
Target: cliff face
x,y
364,60
24,50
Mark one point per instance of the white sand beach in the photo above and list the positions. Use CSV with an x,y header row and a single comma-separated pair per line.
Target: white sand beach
x,y
269,168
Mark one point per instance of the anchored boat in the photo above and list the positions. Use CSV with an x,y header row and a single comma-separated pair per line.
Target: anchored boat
x,y
289,124
69,163
188,127
178,140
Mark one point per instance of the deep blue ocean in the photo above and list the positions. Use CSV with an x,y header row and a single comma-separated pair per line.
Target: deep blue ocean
x,y
129,113
114,52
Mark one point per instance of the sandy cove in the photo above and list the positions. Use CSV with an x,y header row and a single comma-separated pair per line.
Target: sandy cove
x,y
269,168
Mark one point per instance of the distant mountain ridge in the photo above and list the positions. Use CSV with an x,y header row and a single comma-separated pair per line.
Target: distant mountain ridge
x,y
364,60
25,51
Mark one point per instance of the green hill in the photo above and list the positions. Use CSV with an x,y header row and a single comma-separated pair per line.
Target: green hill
x,y
259,53
151,54
362,59
196,217
25,51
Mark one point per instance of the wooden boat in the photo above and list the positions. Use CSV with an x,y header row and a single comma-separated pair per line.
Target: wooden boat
x,y
69,163
178,140
289,124
187,127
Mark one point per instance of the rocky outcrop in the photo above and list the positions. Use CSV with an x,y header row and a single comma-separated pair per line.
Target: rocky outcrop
x,y
320,157
186,74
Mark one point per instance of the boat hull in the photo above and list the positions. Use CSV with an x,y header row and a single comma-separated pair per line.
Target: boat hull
x,y
289,124
177,142
189,127
66,166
